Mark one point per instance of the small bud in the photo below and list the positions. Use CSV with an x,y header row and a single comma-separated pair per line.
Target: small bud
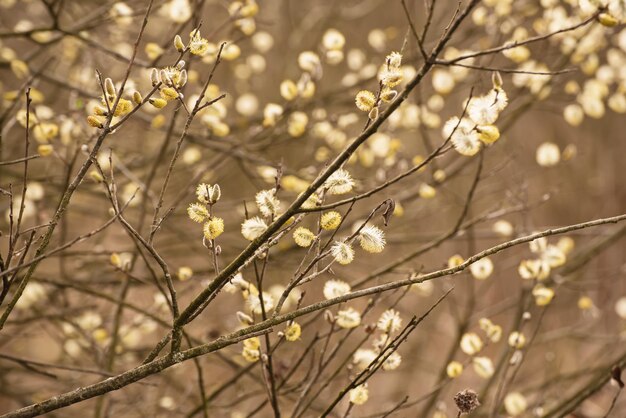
x,y
109,87
496,80
244,318
154,77
607,20
137,97
388,95
178,43
517,356
183,78
180,65
373,115
328,316
214,194
165,79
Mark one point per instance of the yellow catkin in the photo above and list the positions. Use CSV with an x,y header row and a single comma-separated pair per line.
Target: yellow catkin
x,y
45,150
94,121
169,94
330,220
293,332
303,237
158,103
213,228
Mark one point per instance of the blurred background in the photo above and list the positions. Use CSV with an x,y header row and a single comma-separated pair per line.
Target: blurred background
x,y
546,170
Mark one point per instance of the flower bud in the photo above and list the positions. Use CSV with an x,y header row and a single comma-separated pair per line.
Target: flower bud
x,y
154,77
158,103
607,20
165,79
496,79
183,78
109,87
178,43
373,115
388,95
215,193
329,317
244,318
